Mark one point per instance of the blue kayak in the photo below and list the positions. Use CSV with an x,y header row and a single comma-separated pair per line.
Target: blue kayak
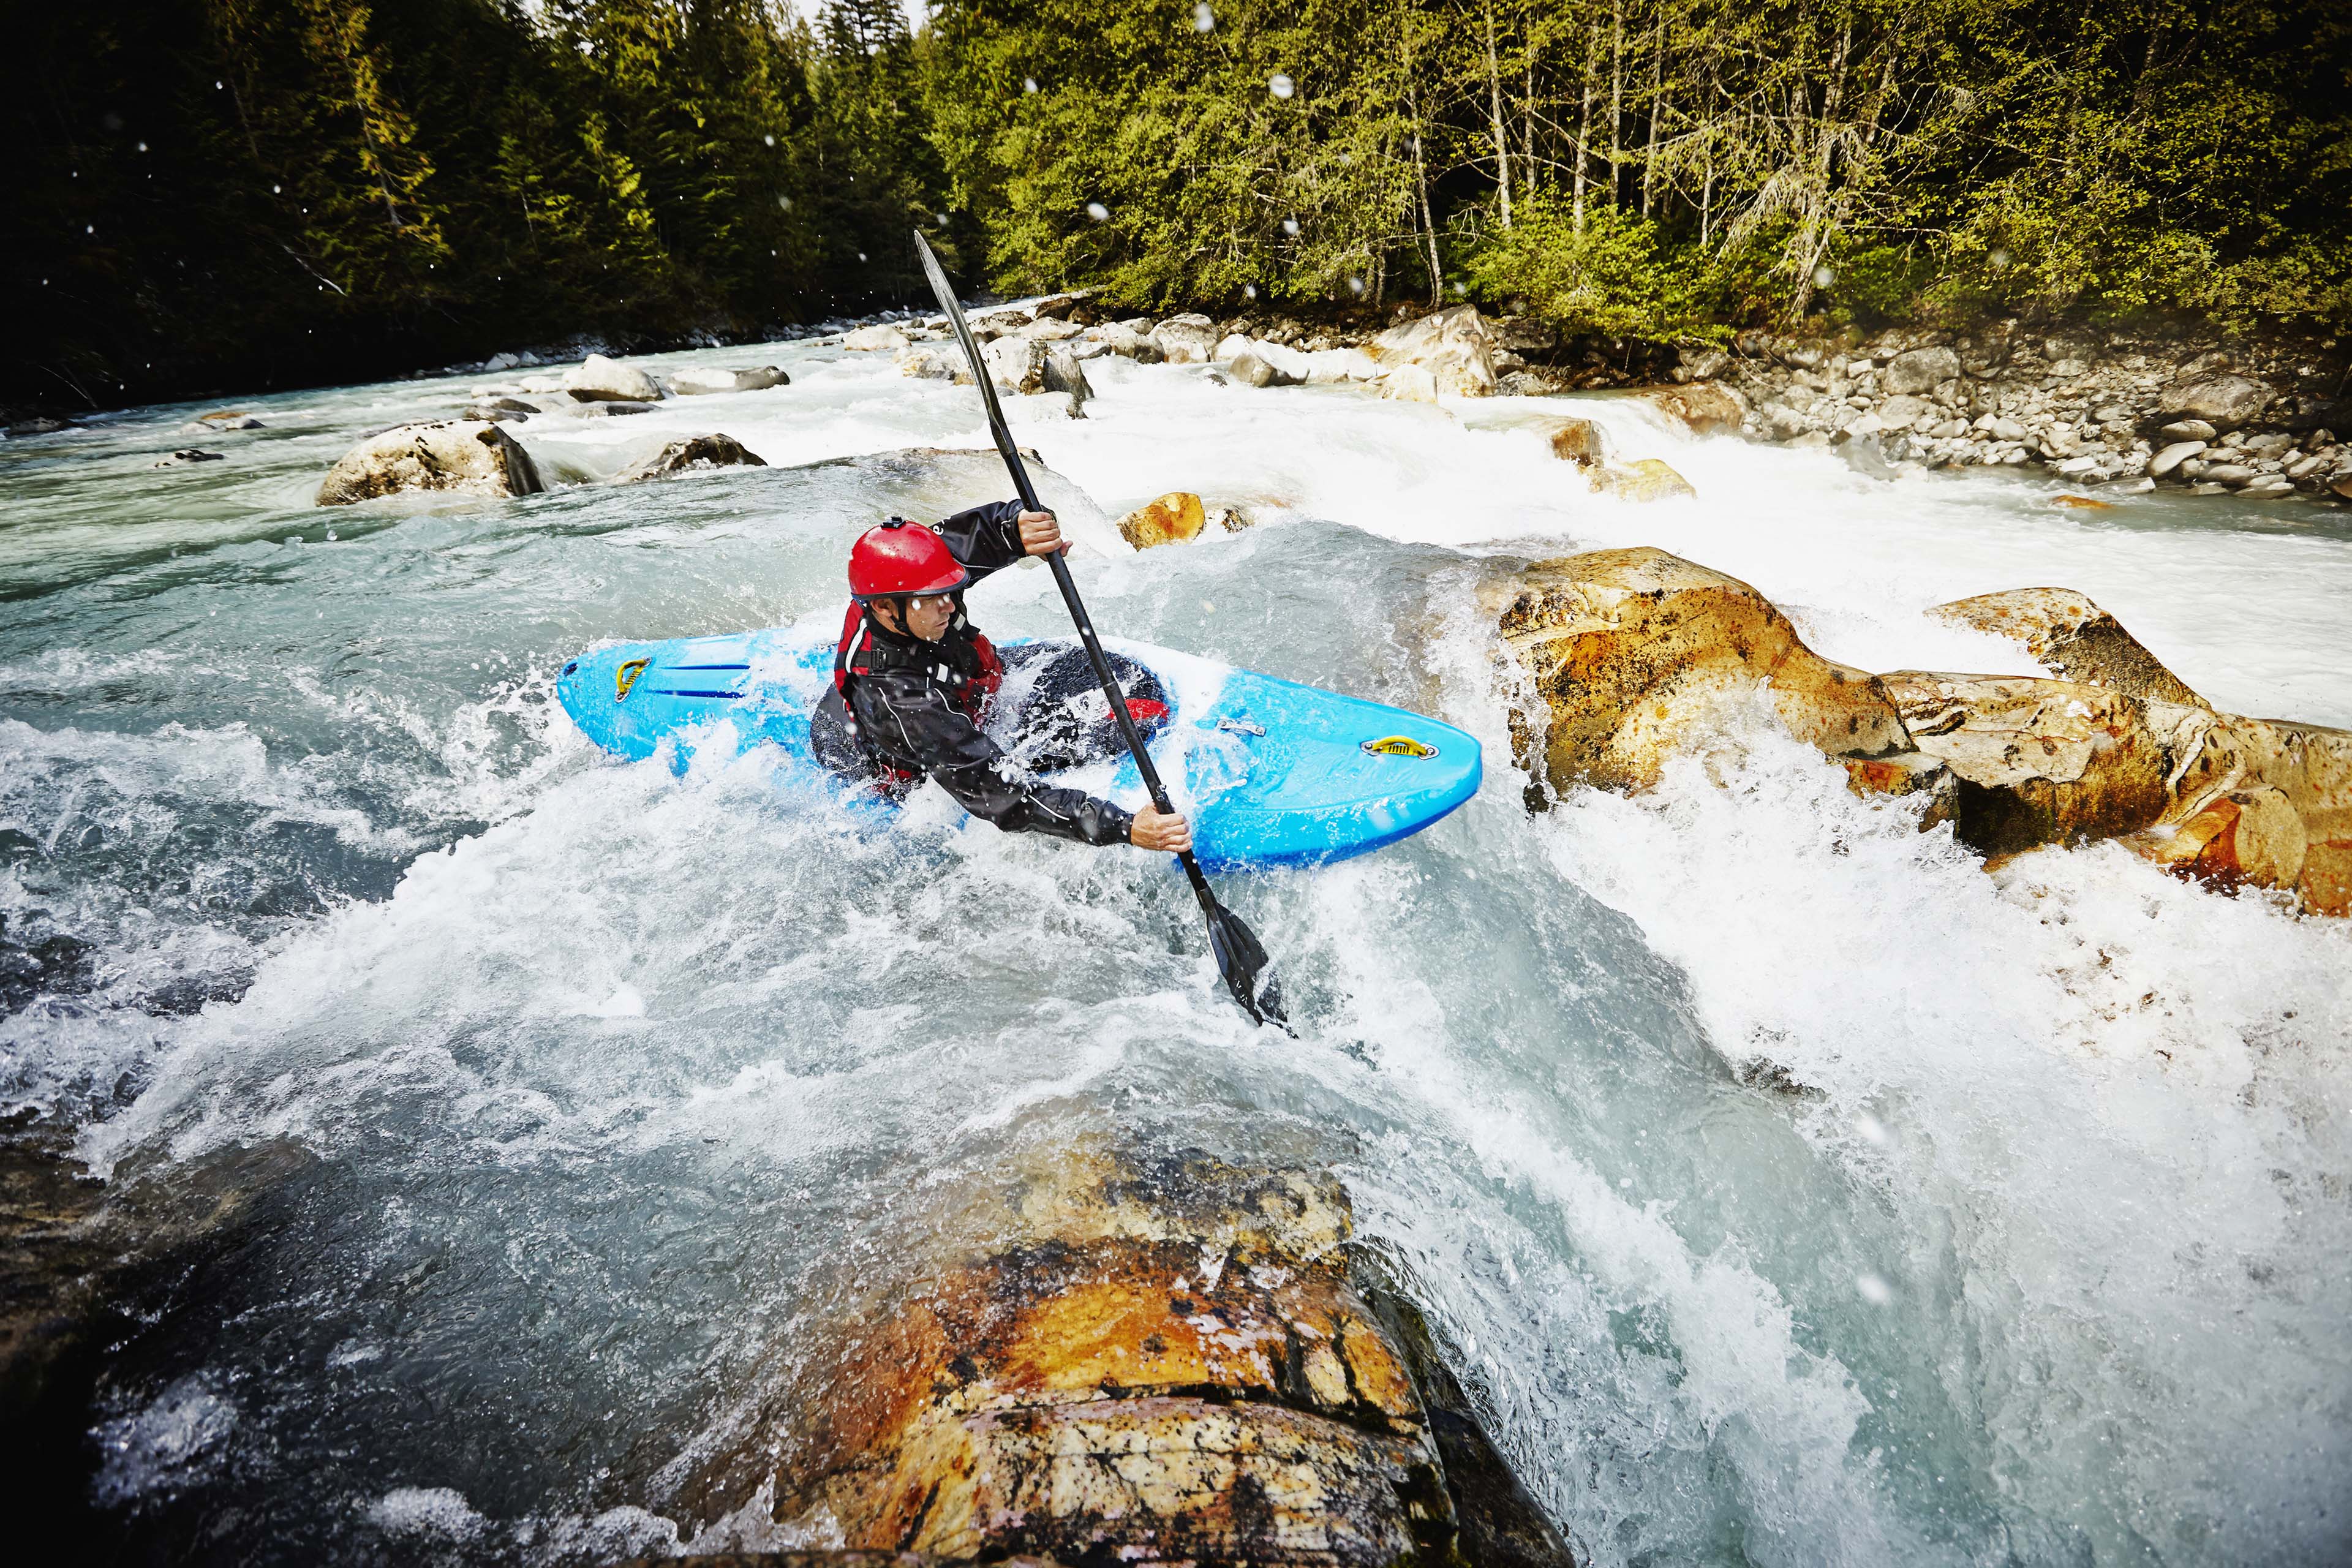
x,y
1272,773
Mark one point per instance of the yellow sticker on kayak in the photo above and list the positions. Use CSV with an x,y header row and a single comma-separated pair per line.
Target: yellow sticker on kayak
x,y
1399,746
626,677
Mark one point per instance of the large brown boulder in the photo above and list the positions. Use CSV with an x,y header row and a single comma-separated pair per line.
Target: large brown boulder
x,y
2074,636
469,455
2043,761
1159,1364
2308,766
1635,653
1451,344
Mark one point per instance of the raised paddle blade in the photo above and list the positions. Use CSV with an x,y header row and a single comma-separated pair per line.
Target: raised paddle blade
x,y
1244,963
945,294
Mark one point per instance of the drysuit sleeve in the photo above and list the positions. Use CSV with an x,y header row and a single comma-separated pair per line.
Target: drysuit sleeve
x,y
985,539
911,720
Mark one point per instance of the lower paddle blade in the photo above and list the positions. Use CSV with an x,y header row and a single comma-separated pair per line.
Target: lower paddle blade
x,y
1243,962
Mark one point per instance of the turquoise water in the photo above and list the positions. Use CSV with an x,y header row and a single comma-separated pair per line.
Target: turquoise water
x,y
595,1089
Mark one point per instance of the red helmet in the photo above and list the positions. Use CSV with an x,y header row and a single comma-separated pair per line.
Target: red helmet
x,y
902,557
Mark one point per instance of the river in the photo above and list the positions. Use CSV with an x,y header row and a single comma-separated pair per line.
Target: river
x,y
589,1087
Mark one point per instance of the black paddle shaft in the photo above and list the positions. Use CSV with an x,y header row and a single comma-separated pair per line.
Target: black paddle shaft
x,y
1062,579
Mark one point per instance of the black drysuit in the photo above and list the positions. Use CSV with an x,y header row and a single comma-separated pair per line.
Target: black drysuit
x,y
915,707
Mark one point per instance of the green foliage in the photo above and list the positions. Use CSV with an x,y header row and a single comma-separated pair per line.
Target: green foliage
x,y
256,192
1612,276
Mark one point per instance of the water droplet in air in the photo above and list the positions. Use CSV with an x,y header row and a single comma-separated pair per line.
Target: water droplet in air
x,y
1249,290
861,256
1279,85
2000,259
1098,212
1462,287
1874,1290
1204,19
1823,277
770,139
872,49
1290,226
1028,84
942,217
785,203
1355,285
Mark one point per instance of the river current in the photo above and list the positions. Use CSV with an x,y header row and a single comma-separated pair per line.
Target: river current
x,y
1784,1187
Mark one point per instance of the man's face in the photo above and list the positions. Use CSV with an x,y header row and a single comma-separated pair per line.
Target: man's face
x,y
928,618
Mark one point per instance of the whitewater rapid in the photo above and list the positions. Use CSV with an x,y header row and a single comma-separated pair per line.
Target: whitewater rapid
x,y
1787,1188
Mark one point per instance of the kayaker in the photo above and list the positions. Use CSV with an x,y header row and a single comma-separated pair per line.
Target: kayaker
x,y
913,679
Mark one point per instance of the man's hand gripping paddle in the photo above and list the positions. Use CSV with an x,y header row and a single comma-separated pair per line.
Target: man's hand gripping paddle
x,y
1240,959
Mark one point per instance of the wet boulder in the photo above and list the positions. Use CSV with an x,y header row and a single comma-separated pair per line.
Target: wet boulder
x,y
1153,1360
2252,836
1644,479
926,364
1173,519
1121,338
1451,345
2042,762
1017,365
1063,372
601,380
713,451
1636,653
703,381
2071,634
1409,383
1574,440
2309,766
881,337
1704,409
185,456
469,457
1188,339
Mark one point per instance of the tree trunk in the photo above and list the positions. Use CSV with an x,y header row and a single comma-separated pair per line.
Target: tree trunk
x,y
1584,121
1420,173
1657,111
1494,112
1616,91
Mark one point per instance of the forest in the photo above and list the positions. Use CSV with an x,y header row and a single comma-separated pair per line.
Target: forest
x,y
237,194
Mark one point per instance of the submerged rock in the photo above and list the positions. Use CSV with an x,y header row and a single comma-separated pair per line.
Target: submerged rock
x,y
702,380
1409,383
469,455
1646,479
1172,519
600,380
185,456
713,451
2074,636
1636,652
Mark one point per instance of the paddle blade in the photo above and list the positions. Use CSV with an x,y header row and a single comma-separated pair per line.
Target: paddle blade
x,y
1244,965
